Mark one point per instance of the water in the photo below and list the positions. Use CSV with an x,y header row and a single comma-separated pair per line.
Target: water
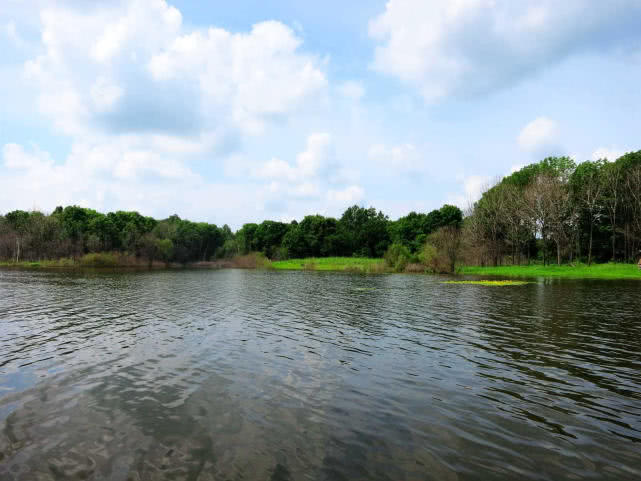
x,y
225,375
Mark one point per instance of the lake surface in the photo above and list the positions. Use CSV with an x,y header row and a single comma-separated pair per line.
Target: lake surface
x,y
228,375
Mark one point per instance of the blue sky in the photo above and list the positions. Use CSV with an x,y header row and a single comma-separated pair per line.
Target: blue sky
x,y
233,112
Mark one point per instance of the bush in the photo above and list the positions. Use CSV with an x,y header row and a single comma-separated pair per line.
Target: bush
x,y
228,250
101,259
433,260
253,260
280,254
397,257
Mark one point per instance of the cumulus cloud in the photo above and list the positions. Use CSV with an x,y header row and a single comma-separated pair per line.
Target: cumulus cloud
x,y
141,97
316,176
13,35
113,177
472,187
607,153
346,196
352,90
308,163
139,69
403,158
15,157
540,134
255,75
476,46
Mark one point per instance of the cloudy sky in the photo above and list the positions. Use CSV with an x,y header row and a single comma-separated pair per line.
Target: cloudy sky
x,y
246,110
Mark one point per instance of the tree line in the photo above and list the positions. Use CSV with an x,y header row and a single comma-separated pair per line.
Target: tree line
x,y
550,211
558,211
72,232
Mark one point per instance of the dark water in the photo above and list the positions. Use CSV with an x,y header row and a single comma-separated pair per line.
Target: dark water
x,y
226,375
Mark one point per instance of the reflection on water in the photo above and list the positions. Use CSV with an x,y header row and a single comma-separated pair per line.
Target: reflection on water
x,y
209,375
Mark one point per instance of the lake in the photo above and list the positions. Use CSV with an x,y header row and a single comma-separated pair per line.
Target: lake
x,y
262,375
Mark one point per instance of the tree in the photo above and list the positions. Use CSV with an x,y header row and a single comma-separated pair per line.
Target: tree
x,y
612,181
491,212
18,220
448,241
587,188
364,231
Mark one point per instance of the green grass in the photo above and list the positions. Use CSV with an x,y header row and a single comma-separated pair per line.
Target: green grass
x,y
64,262
99,259
489,283
579,271
355,264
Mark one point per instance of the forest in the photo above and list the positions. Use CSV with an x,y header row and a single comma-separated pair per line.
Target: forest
x,y
72,232
557,211
553,211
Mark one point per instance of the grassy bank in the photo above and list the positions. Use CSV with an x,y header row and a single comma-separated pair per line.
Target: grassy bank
x,y
580,271
350,264
45,264
94,260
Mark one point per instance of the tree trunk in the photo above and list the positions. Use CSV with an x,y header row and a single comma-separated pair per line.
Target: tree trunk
x,y
558,253
590,244
614,238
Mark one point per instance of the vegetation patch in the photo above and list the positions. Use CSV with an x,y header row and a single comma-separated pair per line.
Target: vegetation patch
x,y
46,263
577,271
489,283
253,260
99,259
349,264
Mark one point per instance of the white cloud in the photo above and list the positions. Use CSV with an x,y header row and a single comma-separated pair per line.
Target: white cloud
x,y
13,35
15,157
608,153
352,90
315,183
308,163
138,68
256,74
113,177
105,94
140,96
349,195
541,133
472,187
403,158
472,46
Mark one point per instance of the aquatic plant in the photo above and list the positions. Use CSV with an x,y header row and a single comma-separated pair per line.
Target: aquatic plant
x,y
489,283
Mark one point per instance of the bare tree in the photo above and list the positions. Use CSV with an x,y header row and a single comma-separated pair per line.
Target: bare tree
x,y
633,191
612,179
448,240
548,208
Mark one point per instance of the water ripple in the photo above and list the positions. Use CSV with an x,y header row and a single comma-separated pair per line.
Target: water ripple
x,y
269,375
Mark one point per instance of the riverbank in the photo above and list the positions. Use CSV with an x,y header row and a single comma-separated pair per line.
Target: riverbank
x,y
579,271
338,264
348,264
103,259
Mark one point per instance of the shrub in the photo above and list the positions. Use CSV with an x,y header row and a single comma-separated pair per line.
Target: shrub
x,y
280,254
99,259
397,257
433,260
228,250
253,260
415,268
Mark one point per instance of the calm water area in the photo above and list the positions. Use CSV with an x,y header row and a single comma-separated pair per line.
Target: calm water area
x,y
263,375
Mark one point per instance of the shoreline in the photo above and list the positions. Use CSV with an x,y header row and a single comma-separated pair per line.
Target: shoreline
x,y
611,271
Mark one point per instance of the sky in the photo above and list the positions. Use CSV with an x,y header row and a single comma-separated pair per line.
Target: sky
x,y
234,112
